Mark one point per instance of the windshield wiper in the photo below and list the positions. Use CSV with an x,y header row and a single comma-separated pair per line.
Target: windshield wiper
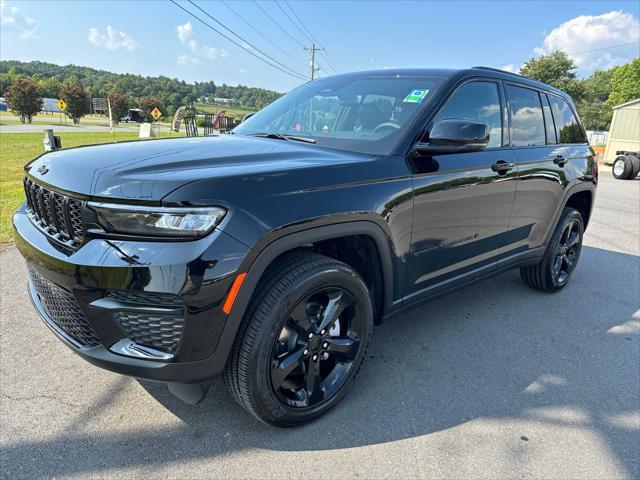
x,y
279,136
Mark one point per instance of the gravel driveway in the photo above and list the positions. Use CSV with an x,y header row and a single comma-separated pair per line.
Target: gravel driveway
x,y
493,381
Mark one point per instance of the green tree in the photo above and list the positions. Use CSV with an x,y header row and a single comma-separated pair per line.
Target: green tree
x,y
556,69
147,104
593,109
50,87
24,98
625,84
119,105
77,99
170,92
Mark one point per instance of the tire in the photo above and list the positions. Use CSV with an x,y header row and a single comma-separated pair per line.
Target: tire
x,y
546,276
622,167
636,167
274,336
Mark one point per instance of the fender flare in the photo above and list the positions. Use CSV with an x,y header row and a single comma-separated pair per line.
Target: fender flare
x,y
256,264
579,187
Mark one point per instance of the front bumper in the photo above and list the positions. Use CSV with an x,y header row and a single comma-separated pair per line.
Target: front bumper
x,y
111,280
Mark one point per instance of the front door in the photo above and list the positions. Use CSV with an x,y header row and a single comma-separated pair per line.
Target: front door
x,y
462,201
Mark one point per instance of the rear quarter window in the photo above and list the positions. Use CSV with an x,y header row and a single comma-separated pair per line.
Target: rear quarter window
x,y
567,126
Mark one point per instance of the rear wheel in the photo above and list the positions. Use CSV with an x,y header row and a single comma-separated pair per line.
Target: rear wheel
x,y
302,341
561,257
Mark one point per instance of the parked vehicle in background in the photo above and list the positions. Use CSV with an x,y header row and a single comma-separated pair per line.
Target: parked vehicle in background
x,y
268,254
135,115
626,165
624,133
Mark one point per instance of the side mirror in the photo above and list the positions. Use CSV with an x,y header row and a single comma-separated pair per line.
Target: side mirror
x,y
455,136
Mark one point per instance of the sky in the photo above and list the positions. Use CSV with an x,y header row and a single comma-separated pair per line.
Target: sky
x,y
158,38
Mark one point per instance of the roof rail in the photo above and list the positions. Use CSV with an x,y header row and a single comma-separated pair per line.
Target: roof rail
x,y
501,71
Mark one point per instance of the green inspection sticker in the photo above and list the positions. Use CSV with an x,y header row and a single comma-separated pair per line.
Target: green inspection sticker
x,y
415,96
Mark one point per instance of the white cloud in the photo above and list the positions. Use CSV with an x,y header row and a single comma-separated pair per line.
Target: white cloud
x,y
188,60
243,71
596,32
12,19
213,53
112,39
512,67
198,52
185,32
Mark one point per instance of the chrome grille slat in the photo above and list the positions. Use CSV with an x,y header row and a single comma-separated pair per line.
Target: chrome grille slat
x,y
58,215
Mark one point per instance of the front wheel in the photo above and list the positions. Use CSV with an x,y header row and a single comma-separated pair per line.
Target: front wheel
x,y
302,341
561,257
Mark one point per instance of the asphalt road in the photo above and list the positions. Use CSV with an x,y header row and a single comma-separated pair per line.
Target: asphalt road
x,y
494,381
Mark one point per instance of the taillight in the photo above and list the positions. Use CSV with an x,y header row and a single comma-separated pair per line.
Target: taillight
x,y
594,171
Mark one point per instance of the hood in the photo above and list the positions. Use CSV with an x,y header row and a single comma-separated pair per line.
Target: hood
x,y
151,169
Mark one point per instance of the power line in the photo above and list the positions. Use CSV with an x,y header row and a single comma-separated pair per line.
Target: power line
x,y
325,54
308,34
241,38
578,53
278,25
294,74
293,23
297,61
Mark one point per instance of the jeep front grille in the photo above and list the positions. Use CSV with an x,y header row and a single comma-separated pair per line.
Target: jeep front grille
x,y
58,215
64,310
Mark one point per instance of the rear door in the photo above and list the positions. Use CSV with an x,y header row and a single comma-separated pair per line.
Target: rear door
x,y
546,137
462,201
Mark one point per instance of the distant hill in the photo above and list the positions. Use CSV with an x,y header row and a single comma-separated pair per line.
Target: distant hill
x,y
170,92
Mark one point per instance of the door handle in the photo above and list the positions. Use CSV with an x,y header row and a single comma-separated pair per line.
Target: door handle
x,y
560,160
502,167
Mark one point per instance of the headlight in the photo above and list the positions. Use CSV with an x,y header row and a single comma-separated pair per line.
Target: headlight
x,y
157,221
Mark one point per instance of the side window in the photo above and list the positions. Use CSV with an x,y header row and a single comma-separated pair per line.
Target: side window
x,y
569,130
548,121
527,123
478,101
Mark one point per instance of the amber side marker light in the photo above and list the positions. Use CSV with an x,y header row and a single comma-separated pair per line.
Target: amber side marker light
x,y
233,293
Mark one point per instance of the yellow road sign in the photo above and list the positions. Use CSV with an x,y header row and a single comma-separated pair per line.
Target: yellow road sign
x,y
155,113
62,105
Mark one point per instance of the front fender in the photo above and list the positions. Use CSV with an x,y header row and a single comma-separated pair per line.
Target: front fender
x,y
269,248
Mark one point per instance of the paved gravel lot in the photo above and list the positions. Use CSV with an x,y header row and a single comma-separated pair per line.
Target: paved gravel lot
x,y
494,381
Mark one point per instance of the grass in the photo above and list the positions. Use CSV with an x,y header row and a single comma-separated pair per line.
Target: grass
x,y
17,149
235,112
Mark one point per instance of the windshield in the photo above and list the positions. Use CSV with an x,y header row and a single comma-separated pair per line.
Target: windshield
x,y
361,114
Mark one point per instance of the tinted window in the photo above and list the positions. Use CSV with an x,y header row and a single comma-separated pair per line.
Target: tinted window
x,y
350,112
478,101
548,121
527,123
569,130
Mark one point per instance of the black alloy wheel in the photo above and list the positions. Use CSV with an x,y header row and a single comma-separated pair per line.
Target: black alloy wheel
x,y
560,259
302,340
316,348
567,251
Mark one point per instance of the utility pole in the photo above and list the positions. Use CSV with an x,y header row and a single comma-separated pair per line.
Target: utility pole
x,y
312,59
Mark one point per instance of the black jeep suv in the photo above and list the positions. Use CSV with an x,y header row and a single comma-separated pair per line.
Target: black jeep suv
x,y
269,253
